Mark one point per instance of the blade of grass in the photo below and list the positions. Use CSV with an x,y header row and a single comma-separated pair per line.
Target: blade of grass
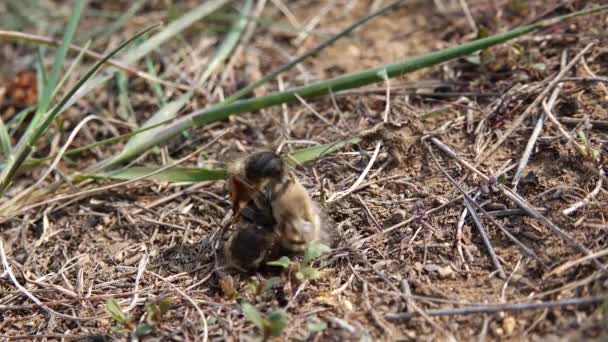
x,y
125,110
175,27
71,69
19,118
193,174
315,152
344,82
41,74
28,141
174,175
50,85
165,113
229,43
156,88
5,140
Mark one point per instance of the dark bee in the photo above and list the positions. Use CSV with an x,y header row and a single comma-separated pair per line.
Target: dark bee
x,y
254,236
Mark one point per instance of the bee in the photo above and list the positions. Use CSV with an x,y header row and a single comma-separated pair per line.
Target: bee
x,y
254,237
299,220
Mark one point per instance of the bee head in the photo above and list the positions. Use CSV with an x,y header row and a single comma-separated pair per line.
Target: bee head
x,y
261,165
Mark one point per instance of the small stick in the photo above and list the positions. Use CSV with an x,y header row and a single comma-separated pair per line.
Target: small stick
x,y
484,237
597,124
359,180
470,20
567,265
499,308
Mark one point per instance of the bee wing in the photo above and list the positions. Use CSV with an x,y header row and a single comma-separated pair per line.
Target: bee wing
x,y
241,194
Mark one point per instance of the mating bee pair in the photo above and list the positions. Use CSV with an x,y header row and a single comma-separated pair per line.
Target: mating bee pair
x,y
273,212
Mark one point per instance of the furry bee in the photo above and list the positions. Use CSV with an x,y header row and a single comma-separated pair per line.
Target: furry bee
x,y
299,221
254,237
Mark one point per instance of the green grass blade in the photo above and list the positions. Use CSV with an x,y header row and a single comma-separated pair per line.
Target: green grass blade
x,y
29,139
5,141
156,88
14,124
193,174
168,112
229,43
315,152
175,27
41,74
51,82
71,69
345,82
125,110
174,175
349,81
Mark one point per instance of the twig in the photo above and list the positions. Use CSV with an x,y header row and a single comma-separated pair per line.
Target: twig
x,y
522,203
567,265
470,20
359,180
598,124
533,106
189,299
484,237
598,186
140,271
580,149
538,128
499,308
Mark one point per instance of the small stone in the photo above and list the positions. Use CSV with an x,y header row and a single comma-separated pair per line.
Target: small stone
x,y
348,306
508,324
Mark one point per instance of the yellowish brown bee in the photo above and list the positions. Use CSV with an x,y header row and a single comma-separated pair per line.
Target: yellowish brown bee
x,y
299,221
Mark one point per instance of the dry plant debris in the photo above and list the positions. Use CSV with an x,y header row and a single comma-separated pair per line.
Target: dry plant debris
x,y
411,264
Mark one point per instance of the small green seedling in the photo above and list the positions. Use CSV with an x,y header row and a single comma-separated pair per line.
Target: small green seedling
x,y
280,262
304,270
115,311
587,150
155,314
270,325
313,326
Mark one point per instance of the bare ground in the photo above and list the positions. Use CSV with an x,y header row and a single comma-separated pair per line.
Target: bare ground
x,y
401,248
